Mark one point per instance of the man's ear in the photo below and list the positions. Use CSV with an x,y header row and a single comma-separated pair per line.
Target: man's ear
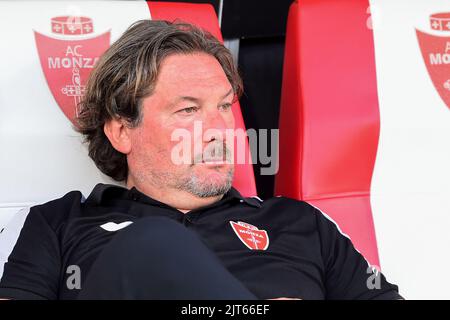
x,y
118,134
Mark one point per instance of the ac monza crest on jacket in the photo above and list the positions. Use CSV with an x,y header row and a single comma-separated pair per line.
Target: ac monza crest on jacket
x,y
68,58
436,53
251,236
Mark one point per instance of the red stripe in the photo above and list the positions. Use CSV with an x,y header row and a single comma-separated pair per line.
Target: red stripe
x,y
329,120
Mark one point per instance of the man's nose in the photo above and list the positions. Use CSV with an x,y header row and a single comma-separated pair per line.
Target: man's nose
x,y
215,126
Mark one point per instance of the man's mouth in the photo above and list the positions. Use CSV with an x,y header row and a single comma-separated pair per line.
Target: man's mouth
x,y
219,158
215,161
211,156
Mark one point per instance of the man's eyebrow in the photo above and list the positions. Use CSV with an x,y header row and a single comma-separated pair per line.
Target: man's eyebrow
x,y
188,98
228,93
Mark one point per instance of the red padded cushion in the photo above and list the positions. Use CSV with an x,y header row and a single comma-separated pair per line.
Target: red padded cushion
x,y
329,116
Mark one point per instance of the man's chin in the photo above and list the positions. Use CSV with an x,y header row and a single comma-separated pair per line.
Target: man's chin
x,y
214,179
210,182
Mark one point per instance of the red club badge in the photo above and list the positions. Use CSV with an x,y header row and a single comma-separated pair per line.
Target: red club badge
x,y
436,53
68,58
251,236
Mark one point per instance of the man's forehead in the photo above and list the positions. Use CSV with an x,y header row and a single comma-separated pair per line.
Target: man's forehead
x,y
192,71
196,98
198,76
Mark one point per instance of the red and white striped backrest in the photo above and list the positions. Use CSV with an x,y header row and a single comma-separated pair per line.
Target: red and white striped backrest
x,y
365,128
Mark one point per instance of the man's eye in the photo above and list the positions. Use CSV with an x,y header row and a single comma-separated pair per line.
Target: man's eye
x,y
225,107
189,110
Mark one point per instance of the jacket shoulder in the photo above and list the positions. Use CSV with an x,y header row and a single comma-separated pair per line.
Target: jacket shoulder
x,y
58,210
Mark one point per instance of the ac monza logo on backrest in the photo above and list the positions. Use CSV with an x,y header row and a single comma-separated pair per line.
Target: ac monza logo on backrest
x,y
68,56
251,236
436,53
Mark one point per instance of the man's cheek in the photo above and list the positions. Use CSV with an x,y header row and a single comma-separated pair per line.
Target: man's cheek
x,y
231,121
180,151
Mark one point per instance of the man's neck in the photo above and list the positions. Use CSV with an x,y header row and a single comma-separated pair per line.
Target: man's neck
x,y
179,199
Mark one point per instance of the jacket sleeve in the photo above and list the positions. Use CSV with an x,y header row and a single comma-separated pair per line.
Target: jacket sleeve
x,y
347,274
32,270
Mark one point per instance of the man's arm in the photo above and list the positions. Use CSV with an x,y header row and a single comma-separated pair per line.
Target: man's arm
x,y
33,267
347,274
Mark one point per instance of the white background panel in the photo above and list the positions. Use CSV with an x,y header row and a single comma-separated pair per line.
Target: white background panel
x,y
411,181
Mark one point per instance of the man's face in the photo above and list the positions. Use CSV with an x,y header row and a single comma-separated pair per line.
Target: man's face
x,y
191,90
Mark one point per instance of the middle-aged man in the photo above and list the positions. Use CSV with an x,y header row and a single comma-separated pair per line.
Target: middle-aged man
x,y
178,230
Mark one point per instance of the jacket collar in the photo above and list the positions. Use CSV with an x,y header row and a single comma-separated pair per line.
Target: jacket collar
x,y
104,192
